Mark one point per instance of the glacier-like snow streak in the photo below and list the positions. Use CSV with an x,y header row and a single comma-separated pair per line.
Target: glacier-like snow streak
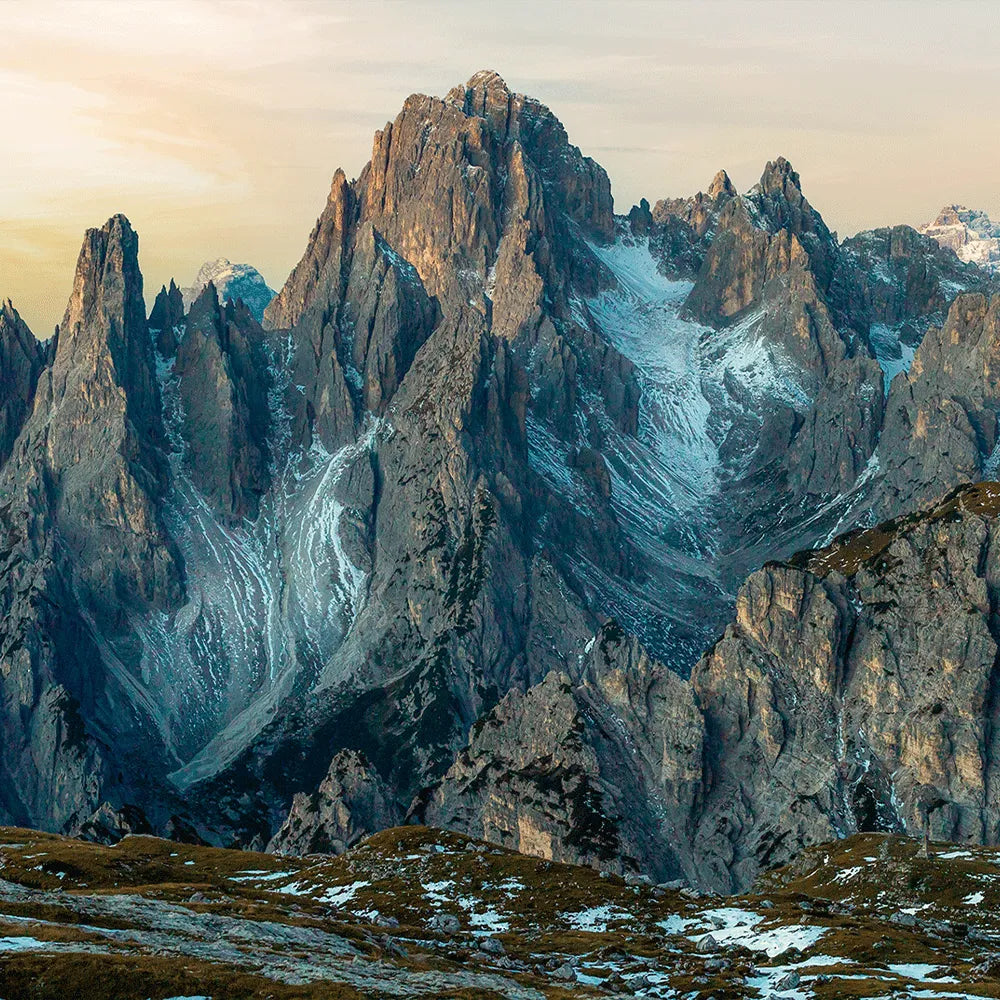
x,y
267,601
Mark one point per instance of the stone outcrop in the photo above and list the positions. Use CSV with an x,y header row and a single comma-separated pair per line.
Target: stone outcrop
x,y
680,230
941,423
167,318
95,436
600,767
898,279
350,802
85,546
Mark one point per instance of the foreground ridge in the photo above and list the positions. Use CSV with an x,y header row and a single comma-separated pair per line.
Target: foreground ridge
x,y
417,912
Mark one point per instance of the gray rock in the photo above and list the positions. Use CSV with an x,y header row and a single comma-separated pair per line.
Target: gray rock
x,y
351,802
564,973
446,923
492,945
706,944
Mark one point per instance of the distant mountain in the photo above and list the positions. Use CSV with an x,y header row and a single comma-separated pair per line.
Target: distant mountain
x,y
233,282
971,234
453,533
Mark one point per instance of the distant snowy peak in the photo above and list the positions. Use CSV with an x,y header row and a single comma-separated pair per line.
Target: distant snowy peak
x,y
232,282
973,236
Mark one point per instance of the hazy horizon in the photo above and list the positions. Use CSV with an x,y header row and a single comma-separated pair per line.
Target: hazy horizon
x,y
216,127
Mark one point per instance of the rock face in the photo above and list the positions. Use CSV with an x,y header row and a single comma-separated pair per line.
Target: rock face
x,y
463,513
85,546
96,433
220,364
972,235
582,768
848,687
941,420
21,360
234,283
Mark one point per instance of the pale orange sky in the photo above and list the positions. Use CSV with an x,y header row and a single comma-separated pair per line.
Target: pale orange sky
x,y
216,126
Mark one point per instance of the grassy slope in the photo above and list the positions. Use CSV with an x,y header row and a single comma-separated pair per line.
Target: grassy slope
x,y
129,922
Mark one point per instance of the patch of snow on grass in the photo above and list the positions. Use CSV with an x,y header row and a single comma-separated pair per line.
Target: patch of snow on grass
x,y
919,972
846,875
734,926
676,924
596,918
255,876
22,943
341,894
436,891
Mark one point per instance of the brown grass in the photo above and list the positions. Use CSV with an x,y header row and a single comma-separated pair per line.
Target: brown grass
x,y
863,548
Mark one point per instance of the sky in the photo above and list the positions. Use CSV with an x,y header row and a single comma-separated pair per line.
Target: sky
x,y
216,126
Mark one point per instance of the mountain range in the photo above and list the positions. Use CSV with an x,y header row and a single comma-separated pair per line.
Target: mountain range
x,y
660,541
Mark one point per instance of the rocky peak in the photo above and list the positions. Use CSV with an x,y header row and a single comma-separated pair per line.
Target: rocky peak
x,y
320,264
206,313
949,216
97,420
478,201
681,229
168,308
721,187
107,285
779,196
107,280
486,140
13,325
104,332
779,176
21,360
486,95
759,238
222,389
166,316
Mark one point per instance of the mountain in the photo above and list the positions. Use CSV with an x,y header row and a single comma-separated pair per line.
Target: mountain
x,y
234,283
971,234
453,532
852,682
422,913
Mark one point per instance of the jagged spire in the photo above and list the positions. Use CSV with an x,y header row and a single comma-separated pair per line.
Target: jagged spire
x,y
780,177
167,312
721,186
484,92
